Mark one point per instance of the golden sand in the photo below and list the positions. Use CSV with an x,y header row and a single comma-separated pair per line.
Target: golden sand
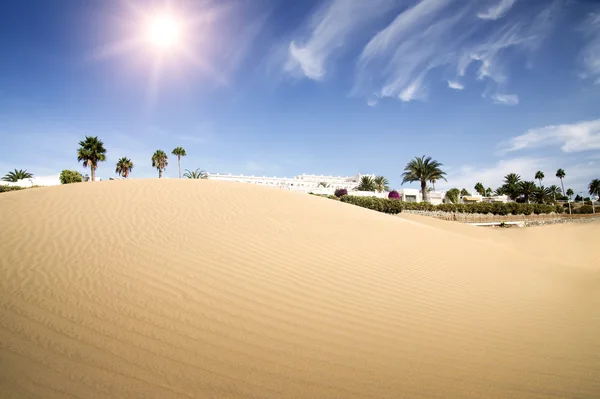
x,y
201,289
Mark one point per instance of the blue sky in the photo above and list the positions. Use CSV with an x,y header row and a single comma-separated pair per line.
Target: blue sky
x,y
281,87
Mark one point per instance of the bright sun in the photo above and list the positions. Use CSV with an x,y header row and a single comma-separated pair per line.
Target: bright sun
x,y
163,32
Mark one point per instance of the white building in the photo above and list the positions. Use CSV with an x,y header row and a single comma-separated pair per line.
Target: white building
x,y
303,183
35,181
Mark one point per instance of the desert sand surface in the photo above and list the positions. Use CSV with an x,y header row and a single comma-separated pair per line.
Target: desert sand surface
x,y
572,244
201,289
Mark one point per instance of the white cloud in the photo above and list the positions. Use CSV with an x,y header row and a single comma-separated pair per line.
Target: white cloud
x,y
371,102
498,10
505,99
466,176
331,27
453,84
446,33
576,137
590,55
578,174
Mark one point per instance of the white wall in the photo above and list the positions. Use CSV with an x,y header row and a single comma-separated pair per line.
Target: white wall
x,y
36,181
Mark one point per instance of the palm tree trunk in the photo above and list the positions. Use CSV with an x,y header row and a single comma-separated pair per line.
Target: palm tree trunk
x,y
433,184
159,173
179,164
563,190
93,173
424,190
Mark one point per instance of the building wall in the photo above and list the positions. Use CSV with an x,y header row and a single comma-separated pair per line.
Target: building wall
x,y
305,183
36,181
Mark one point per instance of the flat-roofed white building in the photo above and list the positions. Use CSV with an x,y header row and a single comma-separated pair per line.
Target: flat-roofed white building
x,y
304,182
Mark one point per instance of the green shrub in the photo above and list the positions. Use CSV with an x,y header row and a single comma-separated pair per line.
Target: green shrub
x,y
70,176
586,209
384,205
5,188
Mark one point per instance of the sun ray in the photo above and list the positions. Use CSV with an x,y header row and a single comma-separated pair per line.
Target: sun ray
x,y
161,37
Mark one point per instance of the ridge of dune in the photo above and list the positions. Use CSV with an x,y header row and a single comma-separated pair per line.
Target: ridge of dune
x,y
200,289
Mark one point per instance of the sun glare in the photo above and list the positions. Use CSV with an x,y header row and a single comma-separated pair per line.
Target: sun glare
x,y
163,32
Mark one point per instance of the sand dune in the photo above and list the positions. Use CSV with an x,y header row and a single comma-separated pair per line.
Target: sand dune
x,y
200,289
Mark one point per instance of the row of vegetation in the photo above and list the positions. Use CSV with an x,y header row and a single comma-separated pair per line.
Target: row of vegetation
x,y
392,206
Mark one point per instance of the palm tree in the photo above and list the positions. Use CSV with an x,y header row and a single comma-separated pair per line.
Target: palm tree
x,y
432,184
511,185
555,190
488,192
196,174
542,195
423,169
539,175
124,167
160,161
381,184
570,193
527,189
323,184
91,151
480,189
594,190
180,152
464,192
499,191
17,175
367,183
561,175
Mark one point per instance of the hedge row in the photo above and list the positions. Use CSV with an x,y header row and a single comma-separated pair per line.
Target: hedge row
x,y
384,205
393,206
4,188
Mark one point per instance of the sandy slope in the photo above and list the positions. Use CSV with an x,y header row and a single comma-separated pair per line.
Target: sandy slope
x,y
200,289
571,244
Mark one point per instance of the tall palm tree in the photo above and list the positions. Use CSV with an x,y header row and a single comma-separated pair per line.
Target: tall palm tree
x,y
196,174
539,175
17,175
91,151
570,193
367,183
594,190
480,188
381,184
160,161
433,184
124,167
423,169
527,189
180,152
561,175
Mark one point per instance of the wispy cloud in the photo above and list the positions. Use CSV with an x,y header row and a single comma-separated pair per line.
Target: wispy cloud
x,y
453,84
444,33
576,137
498,10
505,99
590,54
330,28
